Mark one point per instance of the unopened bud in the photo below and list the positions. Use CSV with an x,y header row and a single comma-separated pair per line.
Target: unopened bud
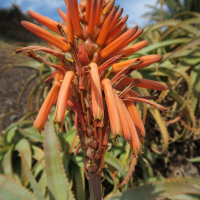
x,y
83,55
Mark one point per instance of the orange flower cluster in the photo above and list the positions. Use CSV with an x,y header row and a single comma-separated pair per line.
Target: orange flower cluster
x,y
97,37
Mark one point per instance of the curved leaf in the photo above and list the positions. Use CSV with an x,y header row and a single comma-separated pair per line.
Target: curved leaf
x,y
57,182
13,191
33,182
157,191
111,160
7,162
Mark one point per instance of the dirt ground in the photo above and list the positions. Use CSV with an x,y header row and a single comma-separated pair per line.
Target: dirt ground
x,y
12,81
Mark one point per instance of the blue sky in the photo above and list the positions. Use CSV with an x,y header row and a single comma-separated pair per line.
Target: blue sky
x,y
134,8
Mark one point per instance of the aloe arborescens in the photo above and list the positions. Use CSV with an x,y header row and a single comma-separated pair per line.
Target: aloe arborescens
x,y
96,37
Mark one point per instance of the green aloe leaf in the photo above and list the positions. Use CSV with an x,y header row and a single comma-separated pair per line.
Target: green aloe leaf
x,y
31,133
23,146
10,190
57,182
160,190
7,162
33,182
111,160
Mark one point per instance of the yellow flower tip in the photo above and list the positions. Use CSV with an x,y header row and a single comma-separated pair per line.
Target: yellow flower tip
x,y
118,43
63,97
46,107
146,61
46,35
112,108
97,100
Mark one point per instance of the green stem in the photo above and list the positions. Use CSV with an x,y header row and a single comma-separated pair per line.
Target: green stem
x,y
95,186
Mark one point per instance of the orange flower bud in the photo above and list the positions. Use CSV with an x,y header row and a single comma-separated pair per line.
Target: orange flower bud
x,y
128,41
144,83
92,19
83,55
116,19
49,23
147,60
135,117
47,36
63,97
62,14
70,30
88,9
46,107
135,141
117,29
132,49
112,108
97,101
106,27
108,7
74,13
118,43
99,10
124,122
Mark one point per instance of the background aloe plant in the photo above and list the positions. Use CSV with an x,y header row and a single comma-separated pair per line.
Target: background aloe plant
x,y
26,156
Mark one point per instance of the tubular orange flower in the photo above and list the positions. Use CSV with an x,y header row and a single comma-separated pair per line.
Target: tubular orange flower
x,y
46,107
122,115
106,28
97,101
114,33
132,49
135,117
88,9
117,43
108,7
92,20
62,14
112,108
116,19
47,36
62,97
99,9
144,83
49,23
135,141
146,61
75,17
128,41
70,29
